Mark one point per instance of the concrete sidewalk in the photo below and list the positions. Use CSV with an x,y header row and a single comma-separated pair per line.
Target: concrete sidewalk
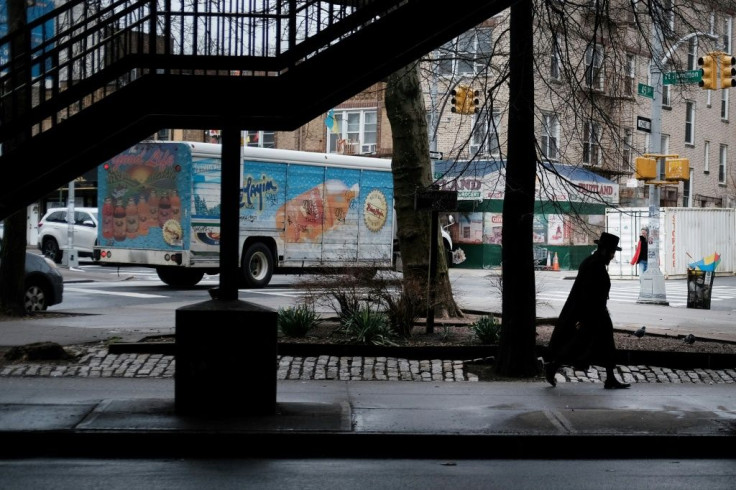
x,y
74,417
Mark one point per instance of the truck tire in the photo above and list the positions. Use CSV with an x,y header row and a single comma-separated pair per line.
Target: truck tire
x,y
179,278
257,265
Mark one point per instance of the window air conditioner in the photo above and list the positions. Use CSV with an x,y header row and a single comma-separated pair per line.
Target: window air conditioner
x,y
368,148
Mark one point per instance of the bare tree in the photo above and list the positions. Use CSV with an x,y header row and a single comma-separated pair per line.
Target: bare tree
x,y
411,168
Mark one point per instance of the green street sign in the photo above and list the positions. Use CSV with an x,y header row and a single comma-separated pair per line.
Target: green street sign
x,y
645,90
682,77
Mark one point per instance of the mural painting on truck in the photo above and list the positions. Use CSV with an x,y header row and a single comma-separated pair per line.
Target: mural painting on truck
x,y
569,210
142,191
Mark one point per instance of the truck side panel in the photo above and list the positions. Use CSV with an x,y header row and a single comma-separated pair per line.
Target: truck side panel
x,y
142,191
375,240
341,216
205,208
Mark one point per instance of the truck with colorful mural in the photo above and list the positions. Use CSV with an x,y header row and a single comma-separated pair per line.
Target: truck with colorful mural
x,y
159,206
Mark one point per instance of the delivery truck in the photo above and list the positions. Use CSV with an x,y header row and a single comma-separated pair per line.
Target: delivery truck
x,y
159,206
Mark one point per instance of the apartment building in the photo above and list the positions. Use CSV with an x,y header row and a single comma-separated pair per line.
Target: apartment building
x,y
587,97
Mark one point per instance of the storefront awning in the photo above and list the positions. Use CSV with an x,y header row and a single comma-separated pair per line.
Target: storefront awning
x,y
485,179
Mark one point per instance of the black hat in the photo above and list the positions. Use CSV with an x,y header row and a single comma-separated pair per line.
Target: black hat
x,y
608,241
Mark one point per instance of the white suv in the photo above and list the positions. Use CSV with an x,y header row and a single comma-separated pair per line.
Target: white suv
x,y
53,231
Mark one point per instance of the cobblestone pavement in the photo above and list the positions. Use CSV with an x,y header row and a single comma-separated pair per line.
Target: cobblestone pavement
x,y
98,362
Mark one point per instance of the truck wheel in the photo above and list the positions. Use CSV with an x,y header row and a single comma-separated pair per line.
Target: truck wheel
x,y
50,248
257,265
179,278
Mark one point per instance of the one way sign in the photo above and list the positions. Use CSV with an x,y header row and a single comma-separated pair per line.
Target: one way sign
x,y
643,124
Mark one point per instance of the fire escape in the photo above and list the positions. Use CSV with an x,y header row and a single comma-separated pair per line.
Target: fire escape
x,y
90,78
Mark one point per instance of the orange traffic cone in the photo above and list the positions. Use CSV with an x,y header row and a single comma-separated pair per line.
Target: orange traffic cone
x,y
556,263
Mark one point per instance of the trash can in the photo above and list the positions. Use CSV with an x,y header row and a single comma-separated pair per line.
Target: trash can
x,y
699,285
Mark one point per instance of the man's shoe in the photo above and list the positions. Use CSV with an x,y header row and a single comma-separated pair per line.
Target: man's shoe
x,y
614,384
550,370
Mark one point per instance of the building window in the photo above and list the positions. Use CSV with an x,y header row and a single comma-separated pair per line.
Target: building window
x,y
722,159
354,132
690,122
669,14
706,157
687,191
628,149
550,136
666,90
163,135
630,74
594,66
591,144
262,139
555,62
484,139
726,34
467,54
724,105
692,53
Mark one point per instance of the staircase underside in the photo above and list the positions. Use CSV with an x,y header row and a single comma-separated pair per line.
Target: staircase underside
x,y
279,103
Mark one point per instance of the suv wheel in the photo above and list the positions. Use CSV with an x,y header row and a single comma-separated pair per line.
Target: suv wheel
x,y
51,249
35,298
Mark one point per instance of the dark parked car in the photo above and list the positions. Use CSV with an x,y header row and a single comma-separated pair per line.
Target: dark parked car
x,y
44,284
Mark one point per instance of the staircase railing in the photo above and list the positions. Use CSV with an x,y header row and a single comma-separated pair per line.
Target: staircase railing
x,y
82,51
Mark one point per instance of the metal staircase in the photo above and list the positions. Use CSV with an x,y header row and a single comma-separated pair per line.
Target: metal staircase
x,y
92,77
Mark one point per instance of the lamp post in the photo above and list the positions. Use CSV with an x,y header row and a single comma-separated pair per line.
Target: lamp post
x,y
651,283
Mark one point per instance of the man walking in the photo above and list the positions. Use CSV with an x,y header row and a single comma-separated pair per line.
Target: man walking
x,y
584,331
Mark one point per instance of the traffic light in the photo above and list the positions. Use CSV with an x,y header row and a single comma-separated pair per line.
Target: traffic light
x,y
728,71
708,72
459,96
474,102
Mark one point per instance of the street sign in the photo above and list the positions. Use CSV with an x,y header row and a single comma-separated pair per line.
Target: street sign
x,y
645,90
682,77
644,124
435,200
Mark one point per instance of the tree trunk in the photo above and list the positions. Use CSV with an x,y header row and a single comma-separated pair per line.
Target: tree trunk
x,y
412,170
12,269
517,347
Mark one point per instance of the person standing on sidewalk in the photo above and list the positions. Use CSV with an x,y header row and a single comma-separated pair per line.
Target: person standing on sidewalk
x,y
583,334
642,252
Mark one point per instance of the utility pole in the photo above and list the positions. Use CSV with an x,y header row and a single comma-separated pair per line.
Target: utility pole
x,y
651,283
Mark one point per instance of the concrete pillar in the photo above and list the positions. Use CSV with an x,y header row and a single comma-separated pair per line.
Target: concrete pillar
x,y
225,359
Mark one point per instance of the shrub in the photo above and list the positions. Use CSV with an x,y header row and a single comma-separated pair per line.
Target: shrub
x,y
342,293
366,326
297,321
486,330
403,305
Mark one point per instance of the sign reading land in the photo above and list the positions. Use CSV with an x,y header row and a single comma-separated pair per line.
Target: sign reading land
x,y
682,77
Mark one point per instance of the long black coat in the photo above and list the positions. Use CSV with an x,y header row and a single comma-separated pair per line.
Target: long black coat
x,y
583,334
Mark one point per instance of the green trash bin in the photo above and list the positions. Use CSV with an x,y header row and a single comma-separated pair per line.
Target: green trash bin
x,y
699,286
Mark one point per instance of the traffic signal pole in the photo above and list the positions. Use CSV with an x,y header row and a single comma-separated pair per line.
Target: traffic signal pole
x,y
651,283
